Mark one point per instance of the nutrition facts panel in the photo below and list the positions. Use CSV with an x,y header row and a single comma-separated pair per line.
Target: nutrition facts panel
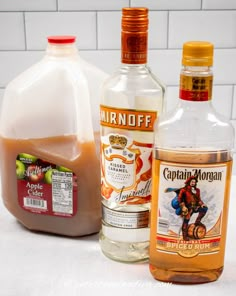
x,y
62,192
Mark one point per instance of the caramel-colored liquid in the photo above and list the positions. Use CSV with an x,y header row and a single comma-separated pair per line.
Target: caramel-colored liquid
x,y
175,268
65,151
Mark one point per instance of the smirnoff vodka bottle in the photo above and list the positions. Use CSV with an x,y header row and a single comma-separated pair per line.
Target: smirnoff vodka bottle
x,y
131,101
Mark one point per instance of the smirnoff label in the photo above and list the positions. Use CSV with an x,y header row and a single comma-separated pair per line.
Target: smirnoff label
x,y
136,120
190,203
128,220
126,170
126,164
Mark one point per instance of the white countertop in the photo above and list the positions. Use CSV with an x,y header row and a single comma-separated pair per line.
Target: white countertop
x,y
34,264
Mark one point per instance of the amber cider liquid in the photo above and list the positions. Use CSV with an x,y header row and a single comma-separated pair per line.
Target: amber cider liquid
x,y
175,268
65,151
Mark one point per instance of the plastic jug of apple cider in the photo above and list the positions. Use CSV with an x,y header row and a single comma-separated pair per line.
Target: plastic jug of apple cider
x,y
49,165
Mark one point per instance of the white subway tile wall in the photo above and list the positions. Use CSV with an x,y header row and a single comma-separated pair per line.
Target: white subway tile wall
x,y
92,5
108,25
24,26
109,35
28,5
219,4
168,4
39,25
12,31
217,26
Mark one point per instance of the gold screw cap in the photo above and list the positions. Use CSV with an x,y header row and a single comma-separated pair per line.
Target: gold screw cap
x,y
197,53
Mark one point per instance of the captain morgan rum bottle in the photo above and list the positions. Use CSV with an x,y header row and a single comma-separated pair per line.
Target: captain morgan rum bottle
x,y
191,179
132,99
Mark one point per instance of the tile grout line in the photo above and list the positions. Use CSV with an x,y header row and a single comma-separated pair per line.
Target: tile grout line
x,y
112,10
25,30
168,28
56,5
233,48
96,24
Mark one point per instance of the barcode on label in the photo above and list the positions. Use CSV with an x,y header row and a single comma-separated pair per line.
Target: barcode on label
x,y
35,203
163,225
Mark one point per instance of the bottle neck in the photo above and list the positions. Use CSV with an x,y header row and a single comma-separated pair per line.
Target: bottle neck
x,y
134,66
196,84
61,50
134,47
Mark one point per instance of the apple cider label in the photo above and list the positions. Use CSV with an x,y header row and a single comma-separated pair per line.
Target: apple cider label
x,y
45,188
190,203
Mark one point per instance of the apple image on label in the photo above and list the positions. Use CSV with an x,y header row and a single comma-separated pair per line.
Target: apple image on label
x,y
28,158
20,169
34,173
63,169
48,176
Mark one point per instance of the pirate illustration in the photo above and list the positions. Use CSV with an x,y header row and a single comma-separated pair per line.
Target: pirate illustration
x,y
187,202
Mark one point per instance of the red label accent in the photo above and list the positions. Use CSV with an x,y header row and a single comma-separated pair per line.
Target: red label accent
x,y
189,95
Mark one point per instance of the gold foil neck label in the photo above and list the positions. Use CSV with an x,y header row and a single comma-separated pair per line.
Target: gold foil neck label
x,y
134,48
195,88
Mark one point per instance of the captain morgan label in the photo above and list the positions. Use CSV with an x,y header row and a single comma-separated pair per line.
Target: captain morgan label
x,y
126,164
190,208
